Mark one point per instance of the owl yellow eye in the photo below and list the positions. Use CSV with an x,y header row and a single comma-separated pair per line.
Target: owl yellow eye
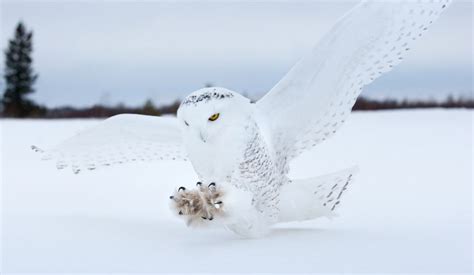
x,y
214,117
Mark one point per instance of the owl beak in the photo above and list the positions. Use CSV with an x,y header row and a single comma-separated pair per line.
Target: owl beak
x,y
203,137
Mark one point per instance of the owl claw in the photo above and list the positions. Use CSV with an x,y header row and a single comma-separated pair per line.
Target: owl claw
x,y
212,187
218,204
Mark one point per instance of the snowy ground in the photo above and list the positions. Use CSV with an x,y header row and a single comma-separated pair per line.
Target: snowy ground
x,y
410,209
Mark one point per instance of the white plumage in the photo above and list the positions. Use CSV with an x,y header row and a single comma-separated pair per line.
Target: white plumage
x,y
245,148
120,139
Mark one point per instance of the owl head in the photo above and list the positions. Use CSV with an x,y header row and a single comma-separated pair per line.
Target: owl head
x,y
210,113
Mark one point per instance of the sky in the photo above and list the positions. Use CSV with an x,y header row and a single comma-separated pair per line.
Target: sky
x,y
112,52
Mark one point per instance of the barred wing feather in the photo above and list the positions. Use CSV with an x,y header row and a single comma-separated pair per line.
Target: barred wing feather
x,y
314,99
119,139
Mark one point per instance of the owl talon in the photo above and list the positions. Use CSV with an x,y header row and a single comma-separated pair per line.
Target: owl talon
x,y
212,186
218,205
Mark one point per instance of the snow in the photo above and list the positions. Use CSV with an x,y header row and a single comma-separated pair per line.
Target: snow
x,y
409,210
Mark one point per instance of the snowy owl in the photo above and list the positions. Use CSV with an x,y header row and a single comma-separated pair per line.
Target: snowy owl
x,y
241,150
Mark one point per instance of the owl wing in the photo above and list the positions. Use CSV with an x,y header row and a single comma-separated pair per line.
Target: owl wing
x,y
119,139
316,96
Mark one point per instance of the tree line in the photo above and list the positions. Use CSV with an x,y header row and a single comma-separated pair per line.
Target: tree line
x,y
20,78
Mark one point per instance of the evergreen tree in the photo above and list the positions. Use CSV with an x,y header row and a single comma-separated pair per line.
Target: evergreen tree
x,y
150,109
19,75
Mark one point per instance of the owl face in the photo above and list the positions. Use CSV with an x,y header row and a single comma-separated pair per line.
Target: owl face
x,y
209,114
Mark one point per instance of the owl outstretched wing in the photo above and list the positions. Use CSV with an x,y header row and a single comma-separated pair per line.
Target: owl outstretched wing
x,y
119,139
316,96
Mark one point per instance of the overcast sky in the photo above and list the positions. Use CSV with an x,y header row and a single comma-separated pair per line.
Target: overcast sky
x,y
127,51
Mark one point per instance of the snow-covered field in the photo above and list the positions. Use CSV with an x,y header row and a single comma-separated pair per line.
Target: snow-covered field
x,y
410,209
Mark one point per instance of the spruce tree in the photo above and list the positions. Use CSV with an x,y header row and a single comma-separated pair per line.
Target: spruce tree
x,y
19,74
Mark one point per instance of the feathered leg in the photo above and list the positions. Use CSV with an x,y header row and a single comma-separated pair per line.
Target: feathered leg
x,y
220,204
197,205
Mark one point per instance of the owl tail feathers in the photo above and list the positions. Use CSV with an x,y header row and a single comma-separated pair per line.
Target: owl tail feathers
x,y
311,198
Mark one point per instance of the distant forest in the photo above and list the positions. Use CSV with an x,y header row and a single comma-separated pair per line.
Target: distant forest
x,y
362,104
20,78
